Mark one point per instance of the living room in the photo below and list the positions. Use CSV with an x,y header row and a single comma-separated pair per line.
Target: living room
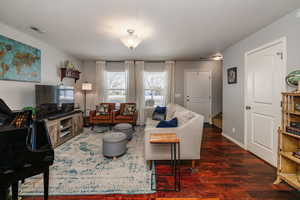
x,y
149,100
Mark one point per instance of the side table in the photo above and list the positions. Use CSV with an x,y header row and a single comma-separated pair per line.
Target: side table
x,y
174,142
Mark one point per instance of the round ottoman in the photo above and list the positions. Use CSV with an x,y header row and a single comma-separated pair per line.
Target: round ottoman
x,y
124,128
114,144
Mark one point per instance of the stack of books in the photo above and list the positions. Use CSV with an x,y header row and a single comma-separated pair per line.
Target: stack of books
x,y
294,128
297,153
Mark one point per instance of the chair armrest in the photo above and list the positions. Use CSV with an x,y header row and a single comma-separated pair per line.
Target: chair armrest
x,y
92,114
135,116
116,112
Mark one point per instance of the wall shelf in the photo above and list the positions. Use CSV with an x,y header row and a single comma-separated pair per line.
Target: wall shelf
x,y
69,73
291,179
289,155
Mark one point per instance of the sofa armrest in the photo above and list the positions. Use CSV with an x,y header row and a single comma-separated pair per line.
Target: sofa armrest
x,y
92,113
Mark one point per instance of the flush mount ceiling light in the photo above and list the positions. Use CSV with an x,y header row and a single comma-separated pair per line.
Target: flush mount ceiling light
x,y
217,56
131,41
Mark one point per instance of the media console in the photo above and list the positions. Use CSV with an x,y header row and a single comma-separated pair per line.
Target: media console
x,y
61,129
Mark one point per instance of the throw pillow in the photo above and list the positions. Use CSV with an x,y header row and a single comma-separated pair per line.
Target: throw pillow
x,y
160,110
168,124
129,109
102,109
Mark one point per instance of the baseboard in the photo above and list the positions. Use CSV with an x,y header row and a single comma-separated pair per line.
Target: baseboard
x,y
233,140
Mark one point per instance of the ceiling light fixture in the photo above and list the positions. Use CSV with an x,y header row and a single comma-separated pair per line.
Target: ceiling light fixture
x,y
131,41
217,56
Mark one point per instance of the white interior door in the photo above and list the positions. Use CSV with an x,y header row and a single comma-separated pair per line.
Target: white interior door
x,y
198,93
265,69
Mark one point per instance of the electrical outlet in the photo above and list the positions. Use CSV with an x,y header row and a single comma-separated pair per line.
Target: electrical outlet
x,y
233,130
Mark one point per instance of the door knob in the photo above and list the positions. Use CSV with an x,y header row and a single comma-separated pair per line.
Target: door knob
x,y
248,107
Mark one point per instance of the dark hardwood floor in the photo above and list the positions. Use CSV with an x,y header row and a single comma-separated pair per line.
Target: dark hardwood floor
x,y
225,171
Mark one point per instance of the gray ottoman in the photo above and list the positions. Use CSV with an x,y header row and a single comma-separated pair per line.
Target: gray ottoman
x,y
124,128
114,144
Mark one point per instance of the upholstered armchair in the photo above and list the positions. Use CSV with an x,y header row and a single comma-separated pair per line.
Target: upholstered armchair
x,y
102,116
126,114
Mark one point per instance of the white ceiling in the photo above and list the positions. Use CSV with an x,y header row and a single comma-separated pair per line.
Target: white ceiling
x,y
172,29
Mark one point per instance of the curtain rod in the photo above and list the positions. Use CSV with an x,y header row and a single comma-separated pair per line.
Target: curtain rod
x,y
146,61
159,61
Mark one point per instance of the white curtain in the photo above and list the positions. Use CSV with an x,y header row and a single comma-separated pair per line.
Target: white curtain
x,y
130,81
140,98
170,82
100,86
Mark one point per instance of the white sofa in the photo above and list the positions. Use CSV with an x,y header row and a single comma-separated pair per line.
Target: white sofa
x,y
189,130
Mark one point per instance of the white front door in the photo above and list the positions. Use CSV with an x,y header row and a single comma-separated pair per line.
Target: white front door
x,y
197,93
265,81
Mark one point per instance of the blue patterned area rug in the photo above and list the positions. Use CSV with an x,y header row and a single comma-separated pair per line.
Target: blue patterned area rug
x,y
80,169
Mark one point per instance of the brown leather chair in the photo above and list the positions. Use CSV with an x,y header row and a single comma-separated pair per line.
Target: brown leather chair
x,y
102,119
118,116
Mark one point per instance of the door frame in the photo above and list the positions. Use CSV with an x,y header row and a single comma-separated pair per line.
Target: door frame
x,y
210,90
282,40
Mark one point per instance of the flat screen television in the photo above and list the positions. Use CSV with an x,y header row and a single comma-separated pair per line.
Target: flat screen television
x,y
54,94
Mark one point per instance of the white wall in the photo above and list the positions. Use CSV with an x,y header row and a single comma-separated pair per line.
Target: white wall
x,y
89,69
19,94
215,67
89,74
233,95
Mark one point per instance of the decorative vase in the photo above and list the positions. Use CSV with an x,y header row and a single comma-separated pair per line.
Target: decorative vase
x,y
293,79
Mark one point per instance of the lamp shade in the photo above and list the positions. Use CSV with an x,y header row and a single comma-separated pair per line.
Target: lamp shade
x,y
86,86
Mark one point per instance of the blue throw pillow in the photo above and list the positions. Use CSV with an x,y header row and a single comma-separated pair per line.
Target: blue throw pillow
x,y
168,124
160,110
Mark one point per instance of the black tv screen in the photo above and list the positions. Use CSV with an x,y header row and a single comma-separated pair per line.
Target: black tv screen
x,y
53,94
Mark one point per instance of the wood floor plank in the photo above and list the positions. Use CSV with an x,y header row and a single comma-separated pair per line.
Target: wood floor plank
x,y
225,171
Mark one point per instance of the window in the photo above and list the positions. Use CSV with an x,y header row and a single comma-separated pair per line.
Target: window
x,y
65,94
116,87
154,84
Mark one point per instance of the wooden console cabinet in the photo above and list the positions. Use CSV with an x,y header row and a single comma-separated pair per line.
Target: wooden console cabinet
x,y
65,128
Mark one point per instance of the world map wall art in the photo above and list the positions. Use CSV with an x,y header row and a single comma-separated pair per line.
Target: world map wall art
x,y
18,61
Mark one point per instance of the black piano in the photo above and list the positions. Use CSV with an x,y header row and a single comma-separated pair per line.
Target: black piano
x,y
25,150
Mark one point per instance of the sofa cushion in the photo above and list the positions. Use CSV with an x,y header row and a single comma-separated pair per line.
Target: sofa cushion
x,y
168,124
124,117
150,123
158,116
183,116
102,117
